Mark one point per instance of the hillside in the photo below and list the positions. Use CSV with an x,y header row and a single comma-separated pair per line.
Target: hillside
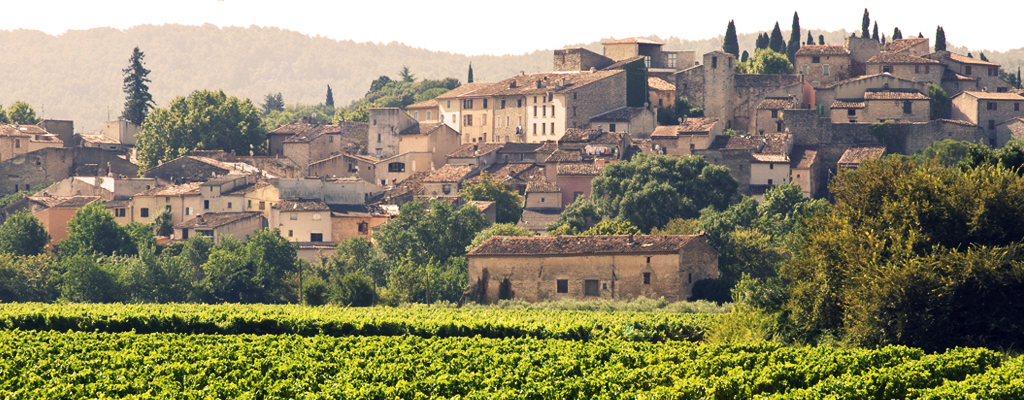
x,y
77,75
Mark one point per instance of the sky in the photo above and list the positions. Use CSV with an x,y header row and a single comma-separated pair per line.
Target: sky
x,y
497,28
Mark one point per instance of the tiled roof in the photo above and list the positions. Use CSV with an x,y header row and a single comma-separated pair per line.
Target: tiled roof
x,y
580,245
776,143
969,60
117,203
822,50
538,220
97,138
301,205
612,138
75,201
803,158
21,130
461,90
513,147
422,128
993,95
214,220
857,155
423,104
305,133
541,186
893,94
191,188
851,80
561,156
949,75
480,205
690,126
412,185
474,150
771,158
246,189
848,104
504,172
736,142
450,174
632,40
549,82
777,103
619,64
578,135
589,169
621,114
547,147
349,210
656,83
898,58
899,45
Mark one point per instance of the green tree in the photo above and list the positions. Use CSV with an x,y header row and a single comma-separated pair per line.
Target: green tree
x,y
272,102
22,234
940,105
421,236
767,62
744,56
896,34
982,56
330,98
205,120
776,42
3,115
162,223
379,84
679,226
85,280
498,229
93,231
794,39
577,216
469,77
680,186
865,24
406,75
28,278
821,39
353,289
137,100
507,203
874,32
940,39
762,41
731,44
271,258
22,113
357,254
430,94
227,276
810,39
612,227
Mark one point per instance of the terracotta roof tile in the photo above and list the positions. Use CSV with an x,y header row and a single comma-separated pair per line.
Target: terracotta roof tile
x,y
578,135
848,104
513,147
541,186
214,220
550,82
690,126
75,201
621,114
185,189
450,174
969,60
899,45
992,95
422,128
656,83
547,147
893,94
97,138
857,155
537,220
21,130
588,169
461,90
300,205
423,104
580,245
475,150
736,142
632,40
561,156
776,143
951,76
246,189
305,133
898,58
803,158
822,50
778,103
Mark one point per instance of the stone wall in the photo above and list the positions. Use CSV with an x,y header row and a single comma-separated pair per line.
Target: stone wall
x,y
861,50
385,125
55,164
579,59
690,83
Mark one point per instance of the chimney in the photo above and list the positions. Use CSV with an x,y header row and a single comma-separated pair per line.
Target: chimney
x,y
565,81
593,70
630,240
522,73
512,85
538,84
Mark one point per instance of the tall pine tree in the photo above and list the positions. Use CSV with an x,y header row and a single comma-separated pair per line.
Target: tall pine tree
x,y
469,79
330,98
865,25
762,41
982,57
794,40
137,101
776,42
940,39
810,39
821,39
731,44
744,56
896,34
874,32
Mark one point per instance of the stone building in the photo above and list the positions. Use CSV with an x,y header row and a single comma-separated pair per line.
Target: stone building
x,y
661,93
823,64
913,46
987,109
240,225
16,140
302,220
635,121
853,89
590,267
769,114
306,143
53,164
691,134
424,111
901,65
184,202
964,73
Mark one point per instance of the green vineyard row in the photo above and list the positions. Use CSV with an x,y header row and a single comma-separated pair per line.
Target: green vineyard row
x,y
36,364
374,321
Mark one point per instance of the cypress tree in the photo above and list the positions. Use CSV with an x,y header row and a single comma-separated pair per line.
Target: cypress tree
x,y
865,24
137,100
896,34
744,56
794,39
821,39
469,79
940,39
883,38
762,41
776,42
1019,83
810,39
969,55
330,98
874,32
982,56
731,44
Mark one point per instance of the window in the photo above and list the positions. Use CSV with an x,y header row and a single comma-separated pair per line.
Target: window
x,y
188,210
429,117
416,115
771,166
542,199
562,286
661,102
519,103
229,205
467,120
917,69
908,107
671,60
485,103
144,212
851,112
647,61
453,118
293,216
1016,106
535,129
886,69
483,120
534,111
207,233
544,129
248,204
647,277
992,105
206,204
467,104
611,127
118,212
770,182
364,228
291,233
775,113
351,168
803,69
991,124
396,167
17,143
378,135
534,99
815,59
714,62
574,95
552,128
824,69
330,138
316,237
967,70
927,68
503,104
449,104
590,287
446,189
508,121
993,71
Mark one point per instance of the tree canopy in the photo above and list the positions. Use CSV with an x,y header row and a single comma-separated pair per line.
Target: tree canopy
x,y
794,39
508,204
137,101
865,24
766,62
421,235
776,42
679,186
272,102
731,44
21,113
22,234
329,102
205,120
940,39
93,231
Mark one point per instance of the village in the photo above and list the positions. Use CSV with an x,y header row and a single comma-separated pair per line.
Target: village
x,y
547,136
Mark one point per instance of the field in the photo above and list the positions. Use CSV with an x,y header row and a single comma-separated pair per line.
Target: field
x,y
284,352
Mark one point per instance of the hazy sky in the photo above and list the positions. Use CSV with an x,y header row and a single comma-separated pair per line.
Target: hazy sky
x,y
486,27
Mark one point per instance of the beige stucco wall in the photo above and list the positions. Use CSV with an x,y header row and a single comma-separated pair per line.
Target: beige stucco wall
x,y
544,200
508,118
839,68
761,172
304,224
183,208
892,110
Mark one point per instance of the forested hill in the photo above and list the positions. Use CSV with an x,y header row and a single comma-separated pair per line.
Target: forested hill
x,y
77,75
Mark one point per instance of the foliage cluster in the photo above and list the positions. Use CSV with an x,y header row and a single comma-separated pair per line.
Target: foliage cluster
x,y
766,62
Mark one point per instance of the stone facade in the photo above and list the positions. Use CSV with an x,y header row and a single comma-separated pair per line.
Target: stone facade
x,y
861,49
590,267
823,64
579,59
54,164
987,109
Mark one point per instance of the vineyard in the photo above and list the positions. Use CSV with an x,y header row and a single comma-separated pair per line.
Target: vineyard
x,y
284,352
